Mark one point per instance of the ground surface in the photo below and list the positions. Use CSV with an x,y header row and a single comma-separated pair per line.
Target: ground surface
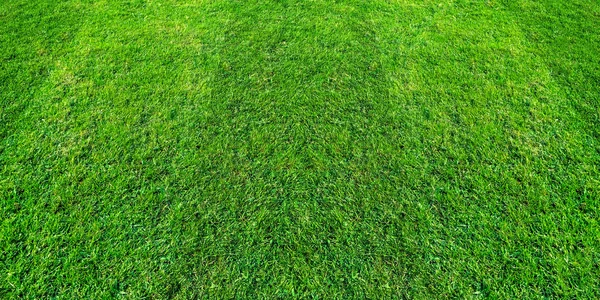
x,y
299,148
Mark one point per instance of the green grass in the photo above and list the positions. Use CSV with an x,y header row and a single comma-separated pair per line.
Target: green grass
x,y
326,149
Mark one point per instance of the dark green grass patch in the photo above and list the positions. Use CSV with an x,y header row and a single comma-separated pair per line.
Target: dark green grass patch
x,y
326,149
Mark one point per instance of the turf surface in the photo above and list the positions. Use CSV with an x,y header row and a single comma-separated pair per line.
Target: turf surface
x,y
327,149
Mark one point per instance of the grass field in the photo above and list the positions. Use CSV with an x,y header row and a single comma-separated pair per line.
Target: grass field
x,y
291,149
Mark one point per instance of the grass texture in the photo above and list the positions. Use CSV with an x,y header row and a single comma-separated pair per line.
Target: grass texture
x,y
299,149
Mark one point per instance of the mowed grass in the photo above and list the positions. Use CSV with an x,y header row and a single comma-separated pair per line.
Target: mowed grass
x,y
291,149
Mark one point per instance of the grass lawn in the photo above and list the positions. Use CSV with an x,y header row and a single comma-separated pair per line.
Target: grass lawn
x,y
299,149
